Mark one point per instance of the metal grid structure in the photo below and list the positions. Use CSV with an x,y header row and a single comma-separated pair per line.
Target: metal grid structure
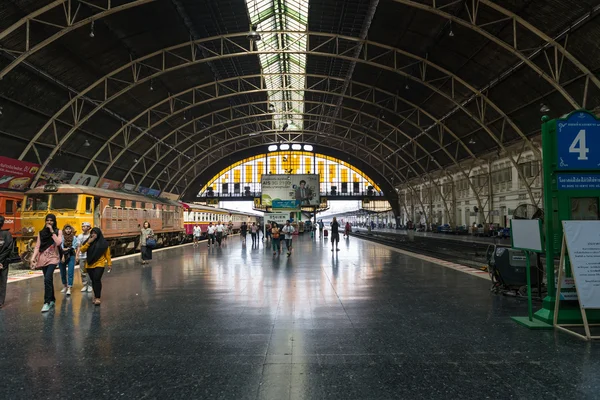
x,y
157,92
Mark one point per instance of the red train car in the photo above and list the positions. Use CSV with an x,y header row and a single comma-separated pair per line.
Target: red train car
x,y
10,208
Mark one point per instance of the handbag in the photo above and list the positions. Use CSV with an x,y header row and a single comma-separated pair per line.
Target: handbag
x,y
151,243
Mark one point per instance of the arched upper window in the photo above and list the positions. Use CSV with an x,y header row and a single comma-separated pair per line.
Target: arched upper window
x,y
335,175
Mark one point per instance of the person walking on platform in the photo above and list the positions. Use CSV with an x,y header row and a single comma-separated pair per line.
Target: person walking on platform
x,y
335,234
98,258
67,262
80,257
219,231
243,232
197,232
210,231
347,230
321,226
288,230
46,256
253,233
146,250
268,228
6,246
275,241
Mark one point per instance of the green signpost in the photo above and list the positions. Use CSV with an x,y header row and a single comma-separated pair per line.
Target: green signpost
x,y
571,165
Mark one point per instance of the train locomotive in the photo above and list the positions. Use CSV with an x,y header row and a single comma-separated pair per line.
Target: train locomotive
x,y
118,213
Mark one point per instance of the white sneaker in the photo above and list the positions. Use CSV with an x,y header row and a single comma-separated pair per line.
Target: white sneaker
x,y
68,291
89,289
63,290
46,307
84,289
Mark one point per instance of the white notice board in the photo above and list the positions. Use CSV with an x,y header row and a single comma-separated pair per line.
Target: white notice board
x,y
526,234
583,244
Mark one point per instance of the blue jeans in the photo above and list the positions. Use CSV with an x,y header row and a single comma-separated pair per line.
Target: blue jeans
x,y
67,270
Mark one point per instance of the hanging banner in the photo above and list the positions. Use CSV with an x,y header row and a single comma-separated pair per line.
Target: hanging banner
x,y
279,217
148,191
56,175
84,180
109,184
583,244
169,196
290,191
129,187
15,174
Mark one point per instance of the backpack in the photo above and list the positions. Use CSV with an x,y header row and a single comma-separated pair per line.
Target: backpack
x,y
276,233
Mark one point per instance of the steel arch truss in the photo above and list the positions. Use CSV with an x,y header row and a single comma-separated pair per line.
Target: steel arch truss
x,y
183,136
555,53
71,18
142,70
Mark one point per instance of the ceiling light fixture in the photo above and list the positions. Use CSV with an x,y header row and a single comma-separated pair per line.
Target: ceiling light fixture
x,y
271,108
253,35
86,144
92,35
544,108
471,141
451,33
285,126
151,84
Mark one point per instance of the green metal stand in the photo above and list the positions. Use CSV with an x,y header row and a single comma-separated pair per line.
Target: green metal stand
x,y
529,321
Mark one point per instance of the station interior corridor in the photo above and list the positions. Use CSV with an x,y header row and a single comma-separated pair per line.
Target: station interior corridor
x,y
238,323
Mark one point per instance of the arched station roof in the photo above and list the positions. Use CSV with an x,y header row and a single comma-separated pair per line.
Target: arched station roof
x,y
162,93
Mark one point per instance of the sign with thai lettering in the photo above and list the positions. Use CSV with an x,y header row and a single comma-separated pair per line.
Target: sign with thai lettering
x,y
578,181
16,174
578,142
583,244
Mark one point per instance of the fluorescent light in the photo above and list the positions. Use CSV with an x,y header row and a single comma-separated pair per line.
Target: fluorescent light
x,y
296,147
284,147
273,147
308,147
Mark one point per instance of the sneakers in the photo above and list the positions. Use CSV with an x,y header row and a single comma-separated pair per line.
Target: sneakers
x,y
47,306
63,290
68,291
89,289
84,288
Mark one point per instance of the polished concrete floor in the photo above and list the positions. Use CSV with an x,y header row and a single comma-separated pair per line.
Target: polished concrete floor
x,y
237,323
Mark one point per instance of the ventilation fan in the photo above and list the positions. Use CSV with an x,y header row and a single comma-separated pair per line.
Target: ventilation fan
x,y
528,211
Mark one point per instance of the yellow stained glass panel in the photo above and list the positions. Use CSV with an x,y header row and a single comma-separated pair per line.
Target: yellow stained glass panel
x,y
249,173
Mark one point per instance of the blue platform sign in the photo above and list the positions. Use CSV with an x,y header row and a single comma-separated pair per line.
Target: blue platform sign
x,y
287,204
578,181
578,142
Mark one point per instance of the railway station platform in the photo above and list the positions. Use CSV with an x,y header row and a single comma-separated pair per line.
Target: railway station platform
x,y
236,322
443,236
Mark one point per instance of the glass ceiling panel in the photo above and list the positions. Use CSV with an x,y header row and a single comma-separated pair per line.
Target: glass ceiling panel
x,y
286,91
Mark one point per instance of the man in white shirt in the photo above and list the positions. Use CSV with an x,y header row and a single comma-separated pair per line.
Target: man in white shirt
x,y
288,230
211,234
197,234
81,258
219,229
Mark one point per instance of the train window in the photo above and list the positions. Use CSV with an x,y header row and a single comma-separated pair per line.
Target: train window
x,y
64,202
88,205
37,202
10,207
111,202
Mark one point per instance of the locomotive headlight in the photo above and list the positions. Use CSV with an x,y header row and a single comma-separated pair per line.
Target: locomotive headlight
x,y
28,230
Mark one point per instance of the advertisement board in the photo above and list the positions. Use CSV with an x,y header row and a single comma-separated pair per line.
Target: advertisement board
x,y
169,196
56,175
109,184
279,217
84,180
290,191
15,174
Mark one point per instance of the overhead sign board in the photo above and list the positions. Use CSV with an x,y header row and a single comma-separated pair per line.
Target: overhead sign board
x,y
583,244
16,174
290,191
578,181
578,142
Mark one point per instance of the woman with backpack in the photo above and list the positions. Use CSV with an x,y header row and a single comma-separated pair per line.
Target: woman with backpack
x,y
147,242
276,242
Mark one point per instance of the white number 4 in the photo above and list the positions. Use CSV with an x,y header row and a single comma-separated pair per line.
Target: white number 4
x,y
578,146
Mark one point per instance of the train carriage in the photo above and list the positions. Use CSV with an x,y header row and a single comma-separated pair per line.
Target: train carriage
x,y
118,214
195,214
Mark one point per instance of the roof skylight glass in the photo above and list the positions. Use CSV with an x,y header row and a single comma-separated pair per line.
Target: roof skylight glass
x,y
284,73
